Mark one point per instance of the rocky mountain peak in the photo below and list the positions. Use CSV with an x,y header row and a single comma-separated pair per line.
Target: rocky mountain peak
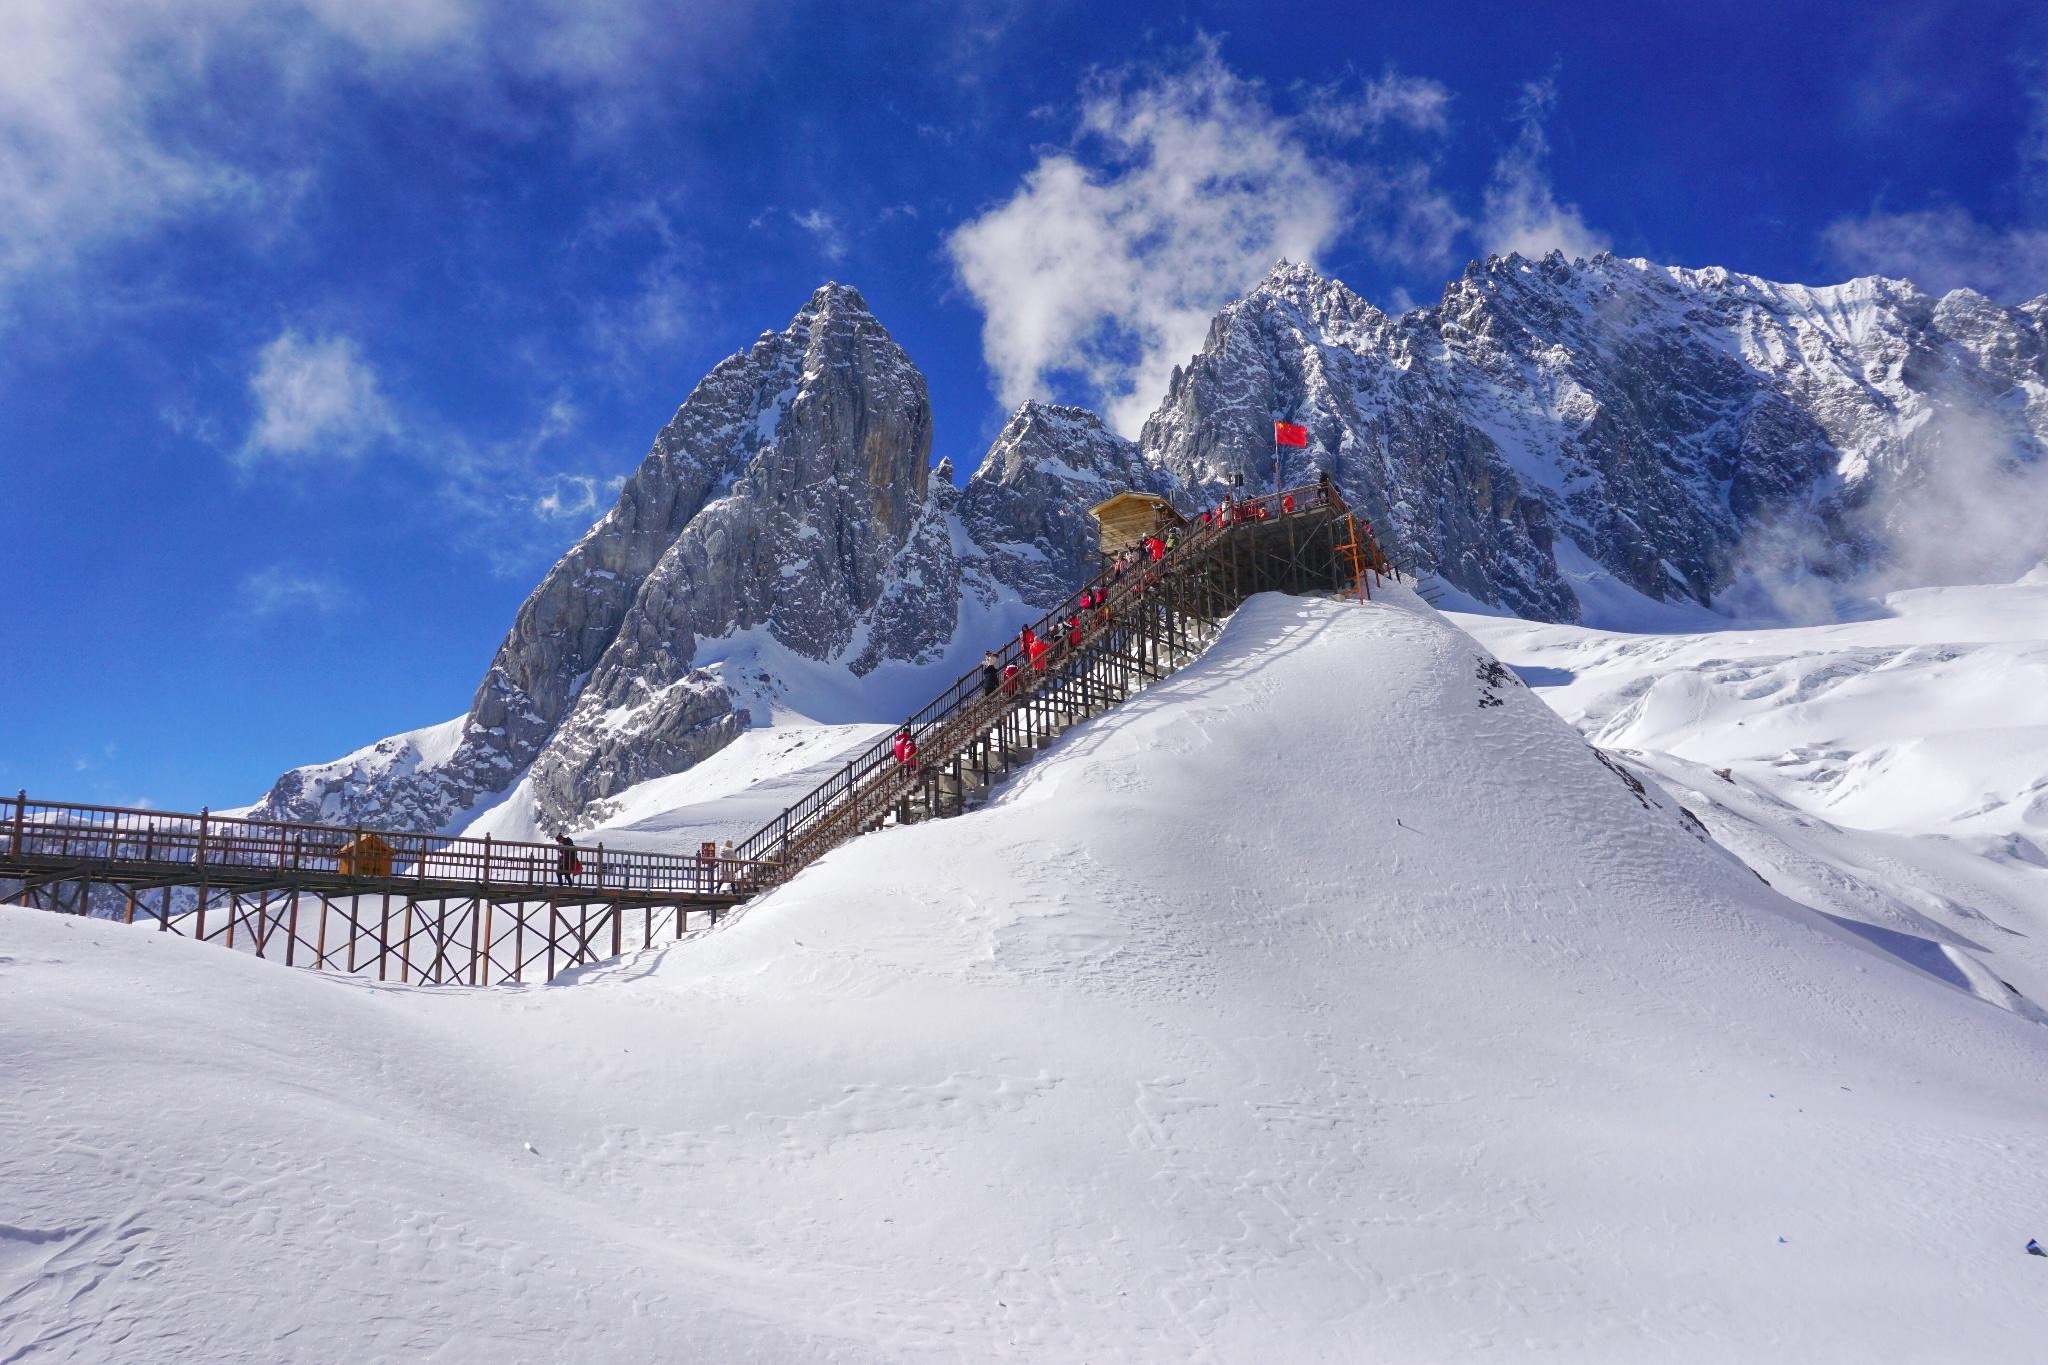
x,y
1547,432
1027,504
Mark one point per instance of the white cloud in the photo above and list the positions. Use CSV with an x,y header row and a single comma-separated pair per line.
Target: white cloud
x,y
1521,212
824,228
282,591
666,299
1393,99
1111,276
575,497
1407,220
111,129
314,399
1943,249
1946,247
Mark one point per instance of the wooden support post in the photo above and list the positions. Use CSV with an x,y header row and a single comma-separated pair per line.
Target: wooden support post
x,y
554,914
519,940
489,907
405,945
199,862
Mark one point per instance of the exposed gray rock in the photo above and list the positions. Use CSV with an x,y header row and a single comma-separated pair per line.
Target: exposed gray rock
x,y
1027,505
1667,421
777,498
1664,419
1381,424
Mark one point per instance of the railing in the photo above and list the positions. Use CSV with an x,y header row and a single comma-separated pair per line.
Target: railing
x,y
46,836
131,840
967,700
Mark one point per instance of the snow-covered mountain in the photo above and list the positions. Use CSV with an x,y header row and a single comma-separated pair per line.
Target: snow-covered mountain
x,y
1553,437
1334,1004
1890,772
1662,425
786,547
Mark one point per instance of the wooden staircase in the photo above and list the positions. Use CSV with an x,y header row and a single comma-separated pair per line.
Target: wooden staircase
x,y
1154,620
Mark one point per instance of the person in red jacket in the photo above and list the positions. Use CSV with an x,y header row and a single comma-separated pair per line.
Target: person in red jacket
x,y
906,748
1074,632
1039,649
1025,637
1010,679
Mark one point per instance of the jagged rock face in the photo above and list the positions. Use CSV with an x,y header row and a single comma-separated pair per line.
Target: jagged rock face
x,y
1027,505
1381,425
782,496
828,460
1657,416
791,496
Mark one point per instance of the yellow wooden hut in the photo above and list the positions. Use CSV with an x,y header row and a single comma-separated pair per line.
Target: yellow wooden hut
x,y
1128,518
366,855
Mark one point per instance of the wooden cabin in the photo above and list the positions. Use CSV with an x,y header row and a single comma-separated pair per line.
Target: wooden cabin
x,y
1128,518
366,855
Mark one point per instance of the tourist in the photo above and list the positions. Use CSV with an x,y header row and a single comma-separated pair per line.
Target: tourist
x,y
991,671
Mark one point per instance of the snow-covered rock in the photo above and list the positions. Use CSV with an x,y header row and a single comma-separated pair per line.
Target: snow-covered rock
x,y
1891,772
786,524
1553,437
1335,1004
1027,505
1670,424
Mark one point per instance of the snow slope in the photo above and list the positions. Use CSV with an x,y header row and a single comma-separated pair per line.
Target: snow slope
x,y
1892,771
1331,1001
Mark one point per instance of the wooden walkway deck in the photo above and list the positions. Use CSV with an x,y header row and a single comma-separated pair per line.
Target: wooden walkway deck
x,y
436,909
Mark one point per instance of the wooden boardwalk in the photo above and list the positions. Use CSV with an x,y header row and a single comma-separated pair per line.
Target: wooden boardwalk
x,y
397,905
440,910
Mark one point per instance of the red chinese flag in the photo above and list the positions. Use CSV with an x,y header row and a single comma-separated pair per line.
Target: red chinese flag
x,y
1288,434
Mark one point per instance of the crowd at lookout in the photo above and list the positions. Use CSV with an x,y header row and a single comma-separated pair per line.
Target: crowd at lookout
x,y
1132,571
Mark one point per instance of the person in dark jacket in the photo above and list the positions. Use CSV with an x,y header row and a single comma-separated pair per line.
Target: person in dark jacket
x,y
567,864
991,672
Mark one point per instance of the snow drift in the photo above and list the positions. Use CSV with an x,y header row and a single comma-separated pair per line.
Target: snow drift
x,y
1331,1001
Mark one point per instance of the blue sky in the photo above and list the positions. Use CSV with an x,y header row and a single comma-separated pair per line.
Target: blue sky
x,y
325,326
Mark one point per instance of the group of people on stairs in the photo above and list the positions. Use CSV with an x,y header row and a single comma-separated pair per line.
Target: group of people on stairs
x,y
1037,652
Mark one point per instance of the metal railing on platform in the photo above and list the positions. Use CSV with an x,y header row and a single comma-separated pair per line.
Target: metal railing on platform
x,y
40,835
968,705
449,908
